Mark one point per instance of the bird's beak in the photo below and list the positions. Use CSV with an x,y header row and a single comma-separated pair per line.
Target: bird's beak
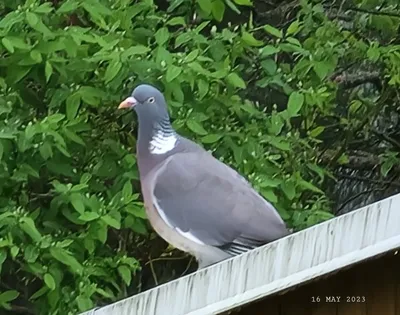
x,y
128,102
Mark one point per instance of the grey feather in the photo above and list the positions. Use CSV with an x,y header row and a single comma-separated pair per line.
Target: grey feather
x,y
206,198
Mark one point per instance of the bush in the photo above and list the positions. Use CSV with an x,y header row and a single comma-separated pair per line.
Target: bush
x,y
72,226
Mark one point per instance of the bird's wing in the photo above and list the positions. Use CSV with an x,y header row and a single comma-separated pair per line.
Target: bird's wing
x,y
210,203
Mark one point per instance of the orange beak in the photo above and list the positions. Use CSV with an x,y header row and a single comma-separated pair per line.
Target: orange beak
x,y
128,102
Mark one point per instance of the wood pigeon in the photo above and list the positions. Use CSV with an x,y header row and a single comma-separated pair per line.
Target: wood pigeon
x,y
193,201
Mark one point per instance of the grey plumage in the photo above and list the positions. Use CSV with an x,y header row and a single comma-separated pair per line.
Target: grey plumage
x,y
195,202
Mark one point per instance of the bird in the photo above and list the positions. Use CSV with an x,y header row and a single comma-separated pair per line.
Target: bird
x,y
194,201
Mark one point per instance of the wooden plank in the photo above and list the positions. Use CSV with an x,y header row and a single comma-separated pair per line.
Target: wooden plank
x,y
353,287
381,287
397,277
297,302
270,306
327,292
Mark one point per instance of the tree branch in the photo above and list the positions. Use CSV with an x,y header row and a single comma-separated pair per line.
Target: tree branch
x,y
373,12
280,11
366,179
22,309
349,81
357,160
354,197
386,138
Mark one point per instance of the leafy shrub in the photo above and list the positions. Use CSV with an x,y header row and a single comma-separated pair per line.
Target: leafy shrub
x,y
72,222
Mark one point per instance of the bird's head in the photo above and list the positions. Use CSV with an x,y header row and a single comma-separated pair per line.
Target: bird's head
x,y
148,102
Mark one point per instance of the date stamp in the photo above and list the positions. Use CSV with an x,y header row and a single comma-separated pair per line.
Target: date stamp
x,y
338,299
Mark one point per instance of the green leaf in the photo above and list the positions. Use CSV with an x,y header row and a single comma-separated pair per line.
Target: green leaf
x,y
136,211
269,195
44,8
309,186
14,251
323,68
7,44
269,182
269,50
203,87
28,226
172,73
196,127
162,36
285,215
279,143
243,2
84,303
32,19
111,221
114,67
31,253
89,216
125,274
36,56
236,81
273,31
269,66
250,40
66,258
135,50
77,203
8,296
293,28
386,166
49,281
296,101
101,233
192,55
18,42
178,20
68,6
48,71
39,293
73,136
1,151
205,5
72,105
289,189
317,131
3,257
232,6
6,135
211,138
127,190
218,10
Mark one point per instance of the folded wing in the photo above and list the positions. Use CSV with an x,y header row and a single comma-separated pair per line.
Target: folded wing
x,y
210,203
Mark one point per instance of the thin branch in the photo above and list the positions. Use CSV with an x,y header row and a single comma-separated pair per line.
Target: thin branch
x,y
153,271
164,258
349,81
355,197
385,137
280,11
187,267
370,180
373,12
22,309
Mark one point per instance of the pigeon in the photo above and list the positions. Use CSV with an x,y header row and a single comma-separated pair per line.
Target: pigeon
x,y
193,201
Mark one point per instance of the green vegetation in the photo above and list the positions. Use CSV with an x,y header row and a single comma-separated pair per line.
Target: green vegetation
x,y
285,103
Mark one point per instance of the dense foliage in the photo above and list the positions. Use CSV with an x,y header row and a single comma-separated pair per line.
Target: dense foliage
x,y
284,92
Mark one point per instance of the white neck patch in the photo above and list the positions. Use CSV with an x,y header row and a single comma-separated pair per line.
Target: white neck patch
x,y
162,142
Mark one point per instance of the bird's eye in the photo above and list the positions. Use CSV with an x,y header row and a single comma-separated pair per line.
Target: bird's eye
x,y
151,100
